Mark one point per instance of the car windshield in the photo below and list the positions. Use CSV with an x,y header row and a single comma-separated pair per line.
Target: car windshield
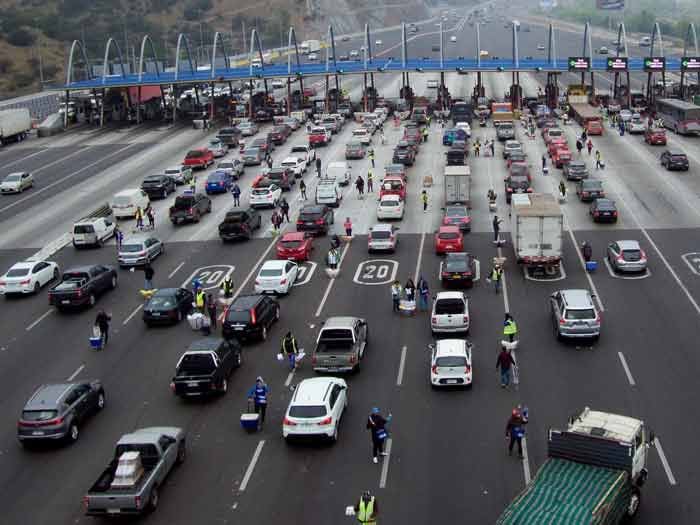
x,y
389,203
605,205
449,307
131,248
448,236
238,316
217,177
270,272
361,132
383,234
12,178
306,411
252,152
456,212
578,168
519,181
161,301
197,364
554,133
309,216
225,165
291,245
195,154
298,148
84,228
184,203
579,315
17,272
456,264
38,415
451,361
678,157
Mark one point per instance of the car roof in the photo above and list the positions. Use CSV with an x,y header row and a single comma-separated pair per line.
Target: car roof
x,y
456,255
591,182
312,208
137,237
577,298
391,197
313,391
676,152
243,302
628,245
578,163
18,173
22,265
48,396
339,321
446,347
291,159
165,292
128,192
274,264
156,176
604,202
449,295
293,236
381,227
448,229
205,344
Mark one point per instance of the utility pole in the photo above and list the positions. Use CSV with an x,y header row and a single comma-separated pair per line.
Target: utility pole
x,y
245,45
201,42
126,43
41,66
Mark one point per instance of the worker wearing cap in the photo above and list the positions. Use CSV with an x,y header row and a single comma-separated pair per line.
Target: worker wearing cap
x,y
366,509
510,329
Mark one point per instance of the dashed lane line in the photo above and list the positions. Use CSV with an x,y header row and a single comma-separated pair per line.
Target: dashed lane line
x,y
40,319
75,374
402,365
664,462
132,314
177,268
24,158
251,466
628,373
385,464
332,281
526,462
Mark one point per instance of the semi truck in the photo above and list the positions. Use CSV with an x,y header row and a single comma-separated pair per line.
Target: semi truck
x,y
14,124
593,474
538,228
310,46
501,112
457,185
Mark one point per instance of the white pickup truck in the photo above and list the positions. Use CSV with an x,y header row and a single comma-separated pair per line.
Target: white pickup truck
x,y
305,152
297,164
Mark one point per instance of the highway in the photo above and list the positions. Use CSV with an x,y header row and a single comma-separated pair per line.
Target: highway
x,y
448,453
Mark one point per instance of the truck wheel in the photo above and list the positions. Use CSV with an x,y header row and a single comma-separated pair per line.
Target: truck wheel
x,y
153,500
181,453
114,282
263,334
100,400
634,502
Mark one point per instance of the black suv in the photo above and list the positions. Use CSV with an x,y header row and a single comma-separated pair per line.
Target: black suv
x,y
404,154
189,208
158,186
315,218
250,317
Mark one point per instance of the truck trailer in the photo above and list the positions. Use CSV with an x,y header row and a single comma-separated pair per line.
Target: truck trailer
x,y
457,185
538,228
14,124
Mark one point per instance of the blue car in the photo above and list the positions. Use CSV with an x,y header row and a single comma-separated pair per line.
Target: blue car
x,y
451,135
219,182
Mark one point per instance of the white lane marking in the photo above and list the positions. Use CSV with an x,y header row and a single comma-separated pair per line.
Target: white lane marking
x,y
210,277
332,281
62,179
692,259
24,158
170,276
75,374
664,461
255,267
132,314
416,275
562,275
373,269
583,262
628,373
385,464
251,467
526,462
290,376
402,364
616,275
43,316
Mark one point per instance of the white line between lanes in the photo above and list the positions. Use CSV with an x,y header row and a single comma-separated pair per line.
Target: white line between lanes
x,y
416,275
43,316
526,462
627,369
251,467
24,158
290,376
132,314
75,374
385,464
402,364
664,461
177,268
332,281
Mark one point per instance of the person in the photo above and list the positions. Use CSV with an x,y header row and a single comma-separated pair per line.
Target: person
x,y
366,509
382,138
492,147
227,287
425,134
360,185
335,242
118,236
290,349
193,183
276,220
269,162
424,200
396,295
496,228
102,323
410,289
348,226
622,129
423,293
370,156
562,189
496,276
200,300
584,136
258,395
579,146
544,161
598,160
302,187
370,181
515,431
589,145
505,362
587,251
284,207
477,148
318,166
236,192
376,424
332,259
148,273
510,329
491,196
139,217
150,216
211,309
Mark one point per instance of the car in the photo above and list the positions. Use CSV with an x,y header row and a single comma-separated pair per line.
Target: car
x,y
57,411
252,156
448,239
457,215
295,165
355,149
655,136
250,317
555,144
589,190
17,182
139,249
453,39
316,409
562,155
219,181
626,256
319,136
234,168
390,207
505,131
229,136
199,158
292,122
382,237
636,125
511,146
264,144
93,231
519,169
276,276
354,53
206,367
516,184
315,218
575,170
516,157
313,56
396,170
180,174
277,84
452,135
81,285
126,202
574,315
363,135
295,246
549,134
393,186
459,268
240,224
167,306
404,154
603,210
281,176
625,115
466,127
674,160
305,152
265,194
28,277
218,148
189,208
280,134
603,50
330,123
247,129
483,53
451,363
338,171
456,155
450,313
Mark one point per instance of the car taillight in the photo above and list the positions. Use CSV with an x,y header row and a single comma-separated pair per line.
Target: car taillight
x,y
596,214
253,319
289,422
85,502
434,369
320,221
601,193
509,190
614,214
562,321
326,421
642,256
467,369
465,318
26,281
433,319
598,317
137,501
585,193
620,258
191,210
79,293
257,281
529,190
313,359
2,283
283,281
353,359
172,386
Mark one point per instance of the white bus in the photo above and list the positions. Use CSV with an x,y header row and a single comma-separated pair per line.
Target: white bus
x,y
679,115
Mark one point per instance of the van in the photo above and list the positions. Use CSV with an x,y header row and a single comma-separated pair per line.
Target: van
x,y
328,192
93,231
339,172
125,202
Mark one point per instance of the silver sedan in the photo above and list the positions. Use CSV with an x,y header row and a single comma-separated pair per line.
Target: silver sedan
x,y
626,256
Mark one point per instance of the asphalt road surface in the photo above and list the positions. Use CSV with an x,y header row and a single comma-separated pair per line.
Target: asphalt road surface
x,y
448,453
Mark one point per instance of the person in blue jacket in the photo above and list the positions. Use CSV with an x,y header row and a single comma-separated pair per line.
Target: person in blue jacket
x,y
258,395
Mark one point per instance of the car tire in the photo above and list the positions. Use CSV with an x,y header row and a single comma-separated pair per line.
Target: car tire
x,y
101,400
113,284
179,316
37,288
92,300
197,217
153,500
263,334
56,274
224,386
73,433
181,452
334,437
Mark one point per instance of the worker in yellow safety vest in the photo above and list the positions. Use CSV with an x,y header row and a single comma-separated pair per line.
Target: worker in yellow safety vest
x,y
366,509
510,329
200,300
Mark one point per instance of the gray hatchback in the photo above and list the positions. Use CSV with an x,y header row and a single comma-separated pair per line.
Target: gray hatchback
x,y
574,315
56,411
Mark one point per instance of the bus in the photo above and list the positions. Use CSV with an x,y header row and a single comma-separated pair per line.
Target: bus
x,y
679,115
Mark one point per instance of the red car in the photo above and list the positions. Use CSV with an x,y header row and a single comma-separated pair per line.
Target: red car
x,y
655,136
319,136
594,127
457,215
199,158
555,144
393,186
561,156
449,239
296,246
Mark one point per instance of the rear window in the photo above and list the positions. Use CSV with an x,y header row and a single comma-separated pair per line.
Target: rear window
x,y
451,360
579,315
252,152
122,200
130,248
678,157
448,236
38,415
336,333
456,265
12,178
592,186
290,245
631,255
84,228
164,302
270,272
238,316
309,216
307,411
449,306
554,133
456,212
182,203
17,272
195,154
261,191
199,364
389,203
381,235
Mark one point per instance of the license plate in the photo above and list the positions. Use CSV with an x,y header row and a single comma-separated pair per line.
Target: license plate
x,y
192,384
65,301
451,381
606,213
238,328
113,511
155,314
38,433
456,276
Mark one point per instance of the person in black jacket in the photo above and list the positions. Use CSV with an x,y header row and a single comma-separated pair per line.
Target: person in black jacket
x,y
102,322
376,424
148,273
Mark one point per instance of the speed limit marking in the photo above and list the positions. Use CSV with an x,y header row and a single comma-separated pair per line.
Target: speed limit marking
x,y
306,270
209,276
376,271
693,261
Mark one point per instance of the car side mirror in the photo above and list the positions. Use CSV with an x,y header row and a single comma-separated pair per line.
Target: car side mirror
x,y
431,347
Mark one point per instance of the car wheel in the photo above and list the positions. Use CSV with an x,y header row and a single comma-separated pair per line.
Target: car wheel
x,y
239,359
55,274
113,284
153,500
162,249
197,217
37,288
181,452
334,437
263,334
165,193
100,400
73,433
224,386
92,299
209,207
179,316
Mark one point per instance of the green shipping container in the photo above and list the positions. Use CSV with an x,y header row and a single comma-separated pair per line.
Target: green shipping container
x,y
568,493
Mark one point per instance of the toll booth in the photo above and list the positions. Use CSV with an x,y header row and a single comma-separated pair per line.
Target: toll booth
x,y
406,93
372,96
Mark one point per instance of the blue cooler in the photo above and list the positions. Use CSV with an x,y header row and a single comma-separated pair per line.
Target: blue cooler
x,y
96,343
591,266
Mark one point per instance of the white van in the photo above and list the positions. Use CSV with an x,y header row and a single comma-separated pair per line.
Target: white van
x,y
328,192
339,172
125,202
92,231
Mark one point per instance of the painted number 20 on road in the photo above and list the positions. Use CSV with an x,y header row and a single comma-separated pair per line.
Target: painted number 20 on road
x,y
376,271
210,276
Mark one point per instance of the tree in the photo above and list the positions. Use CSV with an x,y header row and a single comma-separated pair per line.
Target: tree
x,y
20,37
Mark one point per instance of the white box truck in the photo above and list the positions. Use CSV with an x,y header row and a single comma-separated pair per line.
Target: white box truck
x,y
14,124
538,229
310,46
457,185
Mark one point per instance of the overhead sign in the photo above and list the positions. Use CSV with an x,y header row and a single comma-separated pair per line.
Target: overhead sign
x,y
617,64
579,64
610,4
652,64
690,63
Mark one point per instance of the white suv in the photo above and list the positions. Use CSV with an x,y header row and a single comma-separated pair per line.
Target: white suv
x,y
450,313
316,408
451,363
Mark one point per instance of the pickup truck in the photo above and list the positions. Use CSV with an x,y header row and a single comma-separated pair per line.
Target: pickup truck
x,y
240,224
131,482
296,164
304,152
189,207
81,285
340,345
319,137
206,367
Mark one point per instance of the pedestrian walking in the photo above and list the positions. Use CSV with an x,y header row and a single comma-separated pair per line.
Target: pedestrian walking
x,y
148,273
477,148
496,229
211,309
492,148
510,329
562,189
348,226
587,251
515,431
269,161
227,287
318,166
424,200
370,156
236,192
258,395
366,510
425,134
423,293
276,221
284,207
139,217
370,181
118,237
579,147
302,187
589,145
333,258
584,136
496,277
544,161
598,160
290,349
150,215
376,424
410,290
200,300
505,363
360,185
102,323
382,138
396,295
193,183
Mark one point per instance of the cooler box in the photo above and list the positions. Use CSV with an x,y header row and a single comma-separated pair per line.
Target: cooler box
x,y
591,266
96,343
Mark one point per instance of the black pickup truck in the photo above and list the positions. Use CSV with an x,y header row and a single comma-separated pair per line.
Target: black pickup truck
x,y
205,367
81,285
240,224
189,208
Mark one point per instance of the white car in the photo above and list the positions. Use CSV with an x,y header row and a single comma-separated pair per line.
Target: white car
x,y
450,313
390,207
363,135
313,56
296,164
316,408
466,127
453,39
28,277
540,47
432,84
304,151
636,124
234,168
345,38
17,182
218,148
483,53
378,43
267,196
277,84
625,115
382,237
354,53
451,363
247,129
180,174
276,276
